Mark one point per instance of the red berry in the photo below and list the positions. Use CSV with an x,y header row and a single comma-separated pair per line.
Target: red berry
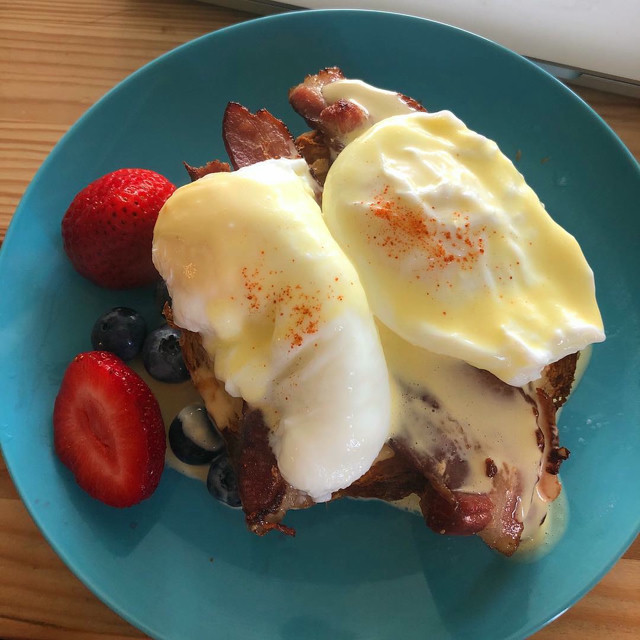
x,y
108,228
108,429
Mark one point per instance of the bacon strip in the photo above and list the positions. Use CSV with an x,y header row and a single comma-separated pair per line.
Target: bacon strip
x,y
333,120
254,137
213,166
314,150
466,514
503,530
307,99
261,486
493,515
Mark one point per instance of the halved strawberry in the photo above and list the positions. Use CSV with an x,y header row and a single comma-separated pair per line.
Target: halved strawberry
x,y
108,429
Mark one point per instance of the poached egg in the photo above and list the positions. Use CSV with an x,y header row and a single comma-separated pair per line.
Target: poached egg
x,y
455,251
252,267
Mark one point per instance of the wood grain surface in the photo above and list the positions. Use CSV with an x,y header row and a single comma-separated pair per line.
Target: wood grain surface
x,y
56,59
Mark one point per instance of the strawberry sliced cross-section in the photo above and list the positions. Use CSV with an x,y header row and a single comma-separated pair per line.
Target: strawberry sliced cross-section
x,y
108,429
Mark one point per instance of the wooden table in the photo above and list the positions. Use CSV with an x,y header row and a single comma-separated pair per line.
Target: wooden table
x,y
56,59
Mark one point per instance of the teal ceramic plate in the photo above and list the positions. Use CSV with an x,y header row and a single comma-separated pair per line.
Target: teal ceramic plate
x,y
180,566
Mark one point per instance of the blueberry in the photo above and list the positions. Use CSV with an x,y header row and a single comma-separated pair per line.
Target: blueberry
x,y
222,482
193,436
121,331
162,355
162,295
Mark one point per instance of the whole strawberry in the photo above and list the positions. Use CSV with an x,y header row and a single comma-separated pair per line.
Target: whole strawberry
x,y
108,228
108,429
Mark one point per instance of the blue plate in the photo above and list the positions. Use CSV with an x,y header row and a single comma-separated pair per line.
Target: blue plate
x,y
182,566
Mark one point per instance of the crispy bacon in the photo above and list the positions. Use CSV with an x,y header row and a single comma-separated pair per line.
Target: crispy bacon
x,y
463,515
340,118
493,515
261,486
314,150
413,104
213,166
333,120
307,99
503,530
253,137
447,510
